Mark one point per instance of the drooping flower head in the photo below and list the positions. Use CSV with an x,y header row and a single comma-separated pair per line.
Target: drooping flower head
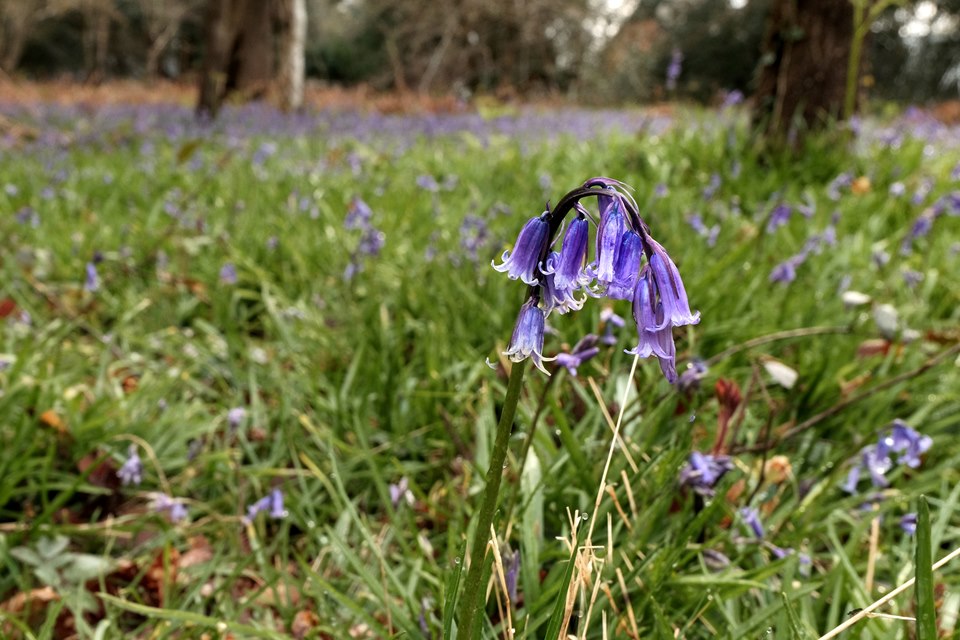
x,y
703,471
131,472
527,340
585,349
628,265
524,260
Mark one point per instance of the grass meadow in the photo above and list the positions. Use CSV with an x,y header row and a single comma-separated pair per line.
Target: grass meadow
x,y
302,307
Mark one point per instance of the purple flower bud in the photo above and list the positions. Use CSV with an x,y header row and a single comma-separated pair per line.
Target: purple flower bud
x,y
613,225
235,417
174,508
276,504
751,518
627,267
522,263
779,217
527,339
358,215
92,280
690,379
569,272
400,492
786,271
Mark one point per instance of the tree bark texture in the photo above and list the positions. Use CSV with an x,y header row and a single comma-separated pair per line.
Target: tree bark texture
x,y
803,67
292,34
239,53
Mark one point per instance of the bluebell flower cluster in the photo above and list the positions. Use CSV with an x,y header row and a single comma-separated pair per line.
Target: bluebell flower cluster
x,y
877,459
272,502
628,264
131,472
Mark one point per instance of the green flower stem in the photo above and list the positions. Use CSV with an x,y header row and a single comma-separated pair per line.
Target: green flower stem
x,y
473,591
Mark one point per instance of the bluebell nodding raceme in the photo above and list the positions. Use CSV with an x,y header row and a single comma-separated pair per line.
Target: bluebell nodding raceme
x,y
628,265
751,518
585,349
272,502
877,460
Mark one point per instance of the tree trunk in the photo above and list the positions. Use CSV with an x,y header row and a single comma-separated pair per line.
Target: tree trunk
x,y
292,28
239,52
803,70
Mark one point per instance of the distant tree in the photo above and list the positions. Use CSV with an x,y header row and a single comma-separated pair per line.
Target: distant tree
x,y
803,67
239,51
17,21
162,22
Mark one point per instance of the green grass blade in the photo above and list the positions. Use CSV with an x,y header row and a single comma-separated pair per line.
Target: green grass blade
x,y
926,610
556,618
450,595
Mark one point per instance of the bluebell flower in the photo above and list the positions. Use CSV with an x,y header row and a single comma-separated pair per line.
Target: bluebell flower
x,y
228,273
627,267
840,182
669,287
732,99
909,524
711,189
272,502
610,321
569,270
27,215
897,190
786,271
556,298
690,379
655,333
131,472
371,242
172,507
703,471
585,349
674,69
523,261
527,339
235,417
779,217
912,278
358,214
511,560
751,518
428,183
876,459
91,281
613,225
400,492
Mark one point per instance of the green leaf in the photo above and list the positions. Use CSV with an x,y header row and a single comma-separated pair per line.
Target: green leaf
x,y
450,593
85,567
559,607
797,631
926,608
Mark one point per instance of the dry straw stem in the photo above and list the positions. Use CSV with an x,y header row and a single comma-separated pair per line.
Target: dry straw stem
x,y
868,611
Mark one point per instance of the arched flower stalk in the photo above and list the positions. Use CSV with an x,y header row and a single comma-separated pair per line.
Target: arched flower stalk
x,y
627,264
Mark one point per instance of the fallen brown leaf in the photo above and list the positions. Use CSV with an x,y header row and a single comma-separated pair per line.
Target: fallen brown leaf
x,y
52,419
303,623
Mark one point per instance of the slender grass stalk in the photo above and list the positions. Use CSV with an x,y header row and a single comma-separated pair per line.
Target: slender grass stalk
x,y
473,593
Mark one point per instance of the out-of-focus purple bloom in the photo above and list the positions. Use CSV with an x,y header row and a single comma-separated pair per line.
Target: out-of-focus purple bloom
x,y
131,471
912,278
950,203
674,69
610,321
880,258
876,459
673,296
546,182
920,228
923,190
842,181
428,183
570,272
235,417
358,215
11,189
692,376
732,99
527,339
695,220
703,471
172,507
400,492
523,261
898,189
511,565
263,152
660,191
786,271
585,349
909,524
751,518
711,189
272,502
808,208
27,215
91,281
272,243
715,560
371,242
228,273
779,217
